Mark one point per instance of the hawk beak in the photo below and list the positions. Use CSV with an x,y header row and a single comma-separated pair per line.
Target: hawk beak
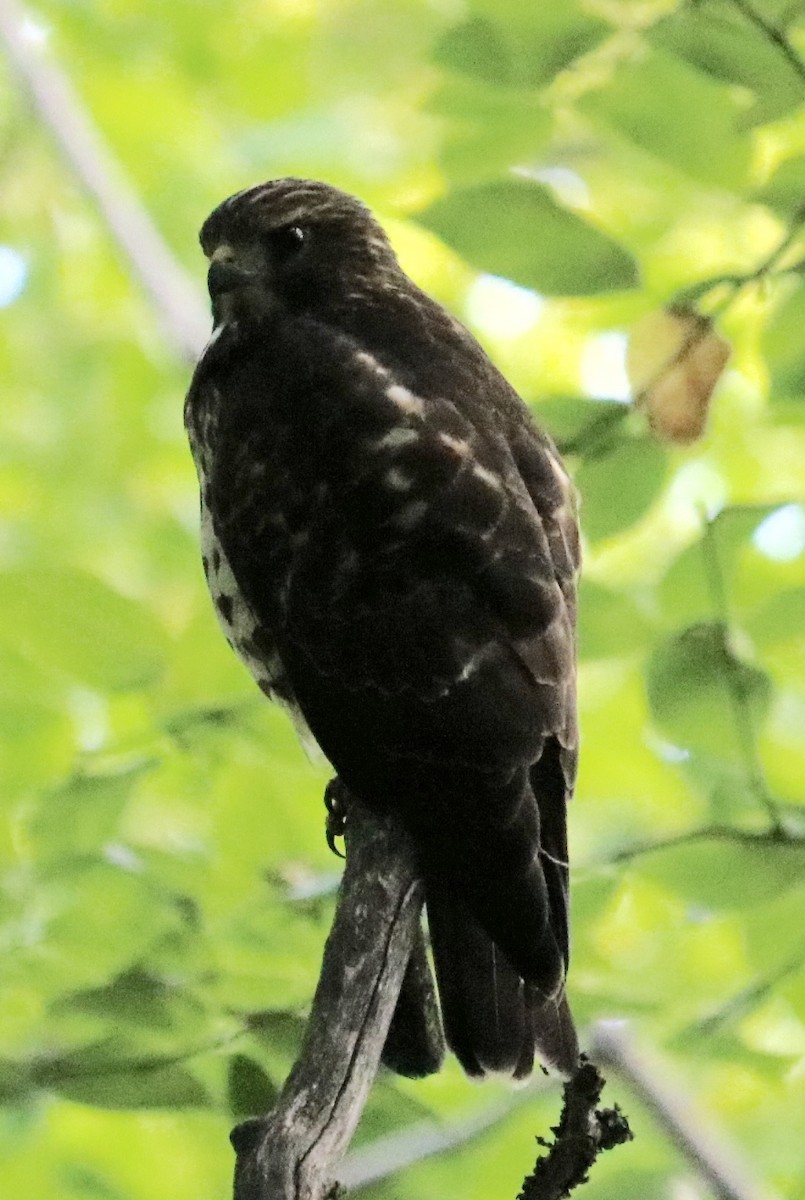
x,y
224,277
227,273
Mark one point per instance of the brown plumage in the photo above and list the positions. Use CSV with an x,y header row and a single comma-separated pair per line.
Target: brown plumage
x,y
392,547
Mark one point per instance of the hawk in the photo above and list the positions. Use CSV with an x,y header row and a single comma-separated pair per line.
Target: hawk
x,y
391,546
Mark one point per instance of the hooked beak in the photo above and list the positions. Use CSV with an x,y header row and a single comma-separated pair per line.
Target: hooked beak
x,y
226,274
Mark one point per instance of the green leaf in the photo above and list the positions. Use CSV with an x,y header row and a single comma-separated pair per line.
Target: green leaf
x,y
784,347
726,873
89,809
773,934
102,1076
618,488
610,623
104,918
487,129
69,621
250,1090
136,997
536,242
692,680
582,426
37,745
477,48
785,190
525,48
729,793
674,113
16,1084
780,620
685,593
718,40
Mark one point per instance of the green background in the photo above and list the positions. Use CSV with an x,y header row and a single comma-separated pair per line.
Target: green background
x,y
165,887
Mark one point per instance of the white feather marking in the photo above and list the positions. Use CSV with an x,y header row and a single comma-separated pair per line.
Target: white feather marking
x,y
223,252
397,480
458,445
405,400
213,338
559,471
368,360
471,665
396,438
487,477
560,862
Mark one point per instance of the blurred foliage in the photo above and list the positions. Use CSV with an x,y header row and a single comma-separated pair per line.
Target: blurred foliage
x,y
165,887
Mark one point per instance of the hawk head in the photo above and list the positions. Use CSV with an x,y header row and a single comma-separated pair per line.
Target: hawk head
x,y
291,243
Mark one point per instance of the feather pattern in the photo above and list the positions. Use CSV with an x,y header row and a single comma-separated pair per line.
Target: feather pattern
x,y
392,546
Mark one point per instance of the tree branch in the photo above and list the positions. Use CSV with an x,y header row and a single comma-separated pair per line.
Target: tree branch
x,y
177,301
717,1163
583,1133
291,1153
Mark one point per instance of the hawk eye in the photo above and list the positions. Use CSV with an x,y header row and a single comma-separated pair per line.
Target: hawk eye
x,y
286,242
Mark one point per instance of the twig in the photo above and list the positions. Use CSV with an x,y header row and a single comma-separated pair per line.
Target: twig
x,y
739,701
772,33
176,299
717,1163
583,1133
721,833
743,1002
291,1153
737,281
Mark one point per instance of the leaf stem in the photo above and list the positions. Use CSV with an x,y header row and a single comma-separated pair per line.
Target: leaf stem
x,y
736,690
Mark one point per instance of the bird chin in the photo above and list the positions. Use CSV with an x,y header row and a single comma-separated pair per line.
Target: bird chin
x,y
245,306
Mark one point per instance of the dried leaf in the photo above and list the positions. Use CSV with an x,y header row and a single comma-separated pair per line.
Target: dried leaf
x,y
674,360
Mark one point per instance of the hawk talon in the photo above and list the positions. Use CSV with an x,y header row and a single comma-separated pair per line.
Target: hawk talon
x,y
336,823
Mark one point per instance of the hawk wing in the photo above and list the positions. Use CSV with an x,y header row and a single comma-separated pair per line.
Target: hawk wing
x,y
403,543
412,557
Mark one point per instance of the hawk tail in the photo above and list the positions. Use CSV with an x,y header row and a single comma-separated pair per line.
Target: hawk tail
x,y
493,1019
414,1044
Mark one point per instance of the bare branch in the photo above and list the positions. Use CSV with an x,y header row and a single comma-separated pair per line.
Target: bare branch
x,y
718,1163
584,1131
176,299
291,1153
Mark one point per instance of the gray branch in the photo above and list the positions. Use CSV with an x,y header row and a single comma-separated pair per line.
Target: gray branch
x,y
292,1153
716,1162
176,299
396,1152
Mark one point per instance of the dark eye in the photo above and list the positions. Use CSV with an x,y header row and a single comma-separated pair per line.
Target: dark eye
x,y
286,242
